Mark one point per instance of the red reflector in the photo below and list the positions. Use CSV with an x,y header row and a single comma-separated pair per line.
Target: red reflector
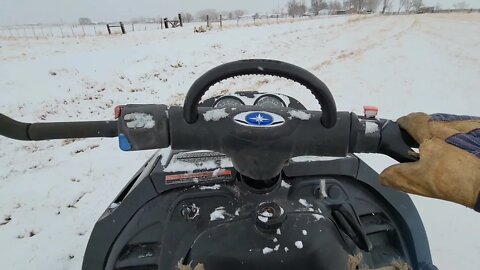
x,y
370,111
118,111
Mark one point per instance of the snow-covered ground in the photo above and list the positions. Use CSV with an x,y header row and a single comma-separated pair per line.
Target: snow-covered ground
x,y
51,193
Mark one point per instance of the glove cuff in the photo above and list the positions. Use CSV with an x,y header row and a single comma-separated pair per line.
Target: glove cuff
x,y
477,205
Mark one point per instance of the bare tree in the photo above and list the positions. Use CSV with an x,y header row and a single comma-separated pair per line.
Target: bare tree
x,y
187,17
460,5
317,5
238,13
417,4
334,6
357,5
84,21
386,3
295,8
371,5
401,4
212,14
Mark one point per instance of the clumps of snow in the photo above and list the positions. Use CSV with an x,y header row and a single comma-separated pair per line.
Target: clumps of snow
x,y
370,127
214,187
260,68
299,244
279,232
196,210
183,166
113,206
267,250
215,115
299,115
217,172
262,219
285,184
318,217
165,153
323,189
276,247
304,232
266,214
286,249
274,239
237,212
139,120
219,213
304,203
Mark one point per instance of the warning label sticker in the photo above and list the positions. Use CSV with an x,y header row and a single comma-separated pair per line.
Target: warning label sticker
x,y
196,177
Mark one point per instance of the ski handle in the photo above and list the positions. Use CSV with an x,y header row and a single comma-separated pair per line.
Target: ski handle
x,y
387,138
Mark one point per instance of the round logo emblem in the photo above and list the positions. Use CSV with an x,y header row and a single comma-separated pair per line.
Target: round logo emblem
x,y
259,119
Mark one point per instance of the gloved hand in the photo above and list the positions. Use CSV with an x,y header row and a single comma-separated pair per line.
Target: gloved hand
x,y
449,165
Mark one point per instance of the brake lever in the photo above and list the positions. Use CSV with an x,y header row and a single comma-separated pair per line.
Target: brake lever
x,y
396,142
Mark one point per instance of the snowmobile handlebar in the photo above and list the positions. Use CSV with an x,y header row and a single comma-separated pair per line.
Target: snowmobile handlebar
x,y
56,130
142,127
261,67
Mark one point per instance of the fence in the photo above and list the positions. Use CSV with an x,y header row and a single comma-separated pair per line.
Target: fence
x,y
47,31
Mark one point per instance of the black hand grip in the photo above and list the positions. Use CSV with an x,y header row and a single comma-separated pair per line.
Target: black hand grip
x,y
13,129
261,67
393,143
56,130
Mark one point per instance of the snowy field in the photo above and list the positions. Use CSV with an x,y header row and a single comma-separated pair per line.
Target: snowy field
x,y
51,193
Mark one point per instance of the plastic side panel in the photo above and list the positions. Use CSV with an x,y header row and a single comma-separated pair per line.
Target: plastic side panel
x,y
405,210
112,222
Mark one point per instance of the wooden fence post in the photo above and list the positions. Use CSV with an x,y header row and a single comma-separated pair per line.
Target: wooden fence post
x,y
208,21
133,28
221,24
123,28
165,21
180,19
94,29
109,31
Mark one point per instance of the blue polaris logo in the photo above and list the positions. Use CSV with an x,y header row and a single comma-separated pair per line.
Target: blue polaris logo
x,y
259,119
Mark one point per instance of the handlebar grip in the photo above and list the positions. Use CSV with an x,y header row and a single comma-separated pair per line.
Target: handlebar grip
x,y
13,129
56,130
381,136
69,130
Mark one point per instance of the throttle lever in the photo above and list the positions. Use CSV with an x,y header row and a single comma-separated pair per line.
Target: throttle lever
x,y
396,142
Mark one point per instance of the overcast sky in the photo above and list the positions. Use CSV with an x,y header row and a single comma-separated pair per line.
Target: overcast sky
x,y
55,11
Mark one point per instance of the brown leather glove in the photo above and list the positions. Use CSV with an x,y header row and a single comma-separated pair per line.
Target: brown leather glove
x,y
449,165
